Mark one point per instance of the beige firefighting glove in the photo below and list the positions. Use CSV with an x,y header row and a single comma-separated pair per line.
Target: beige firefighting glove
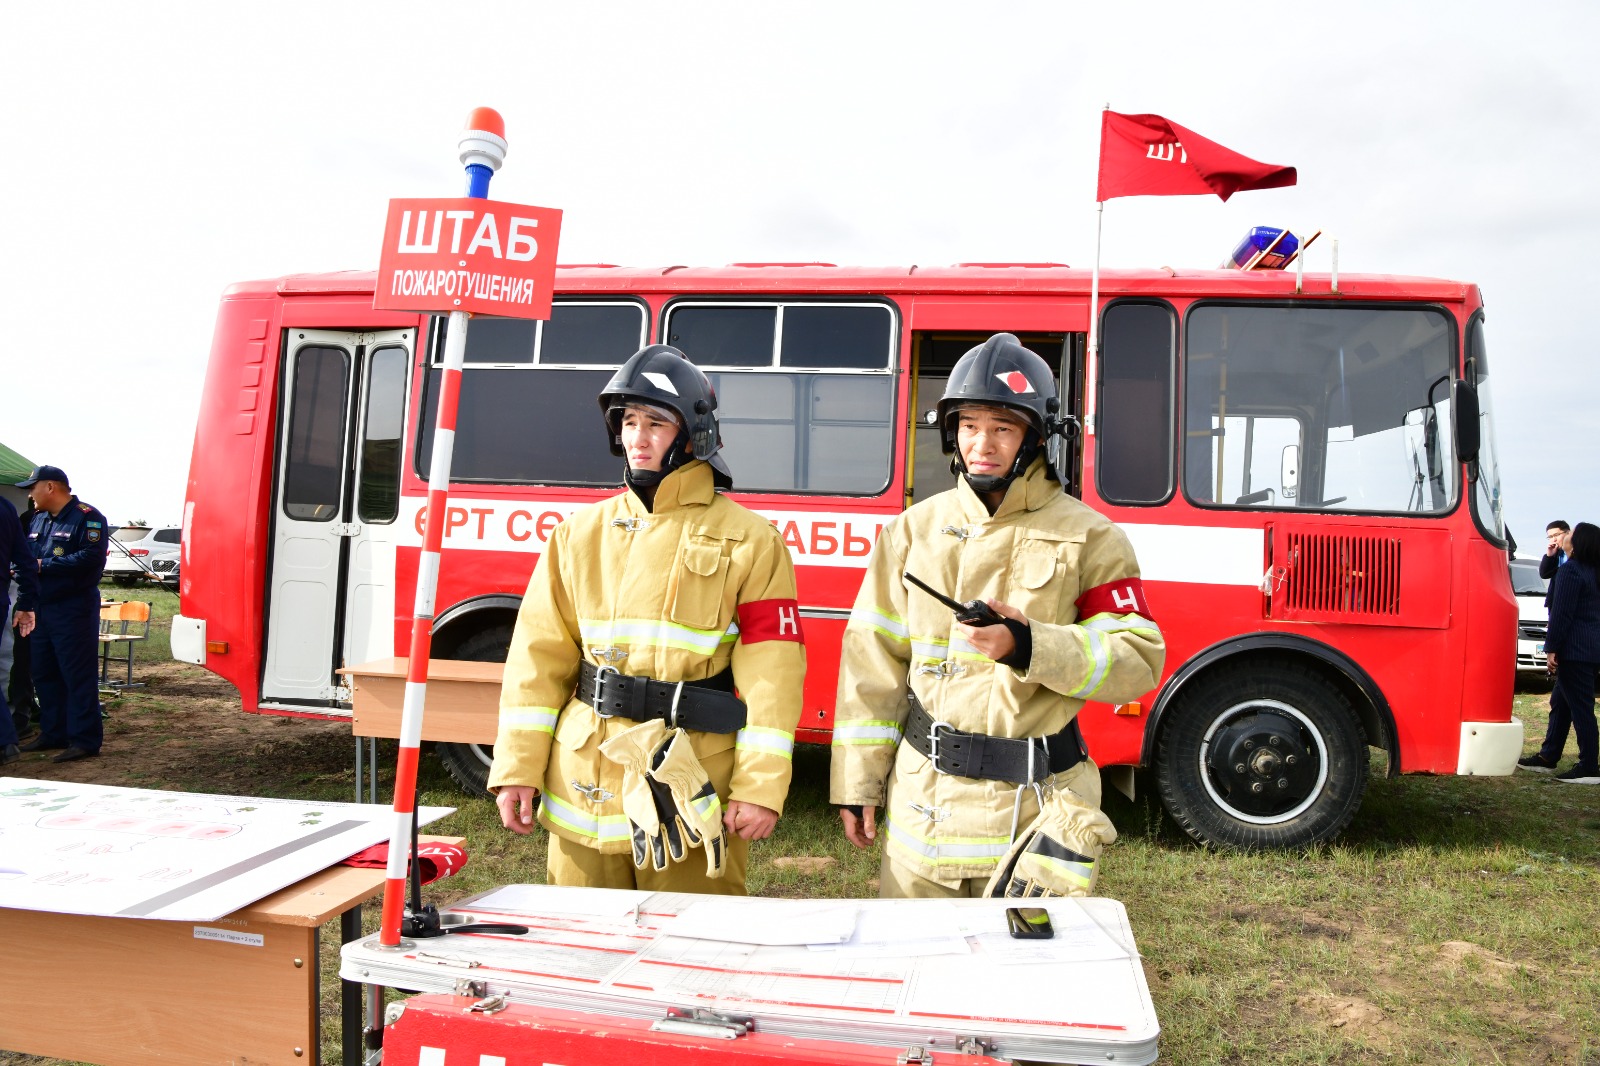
x,y
633,749
690,809
1058,853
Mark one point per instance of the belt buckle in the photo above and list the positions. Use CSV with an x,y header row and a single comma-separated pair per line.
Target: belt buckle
x,y
599,683
933,745
672,712
1038,790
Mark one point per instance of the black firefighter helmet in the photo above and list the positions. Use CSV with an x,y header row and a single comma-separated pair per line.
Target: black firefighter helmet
x,y
1000,372
662,376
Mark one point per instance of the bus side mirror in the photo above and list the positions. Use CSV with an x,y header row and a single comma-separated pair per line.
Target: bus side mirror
x,y
1464,412
1290,477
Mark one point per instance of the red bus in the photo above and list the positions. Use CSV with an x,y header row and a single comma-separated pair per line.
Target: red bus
x,y
1306,470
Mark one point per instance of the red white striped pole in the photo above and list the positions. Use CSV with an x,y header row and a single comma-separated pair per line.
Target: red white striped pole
x,y
483,149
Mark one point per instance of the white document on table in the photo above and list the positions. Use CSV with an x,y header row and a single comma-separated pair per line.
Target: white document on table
x,y
529,900
1094,995
904,932
767,921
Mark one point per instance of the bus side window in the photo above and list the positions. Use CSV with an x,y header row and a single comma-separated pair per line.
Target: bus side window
x,y
807,432
314,465
378,495
1133,450
805,391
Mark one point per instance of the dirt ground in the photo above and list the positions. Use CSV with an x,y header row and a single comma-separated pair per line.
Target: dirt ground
x,y
185,730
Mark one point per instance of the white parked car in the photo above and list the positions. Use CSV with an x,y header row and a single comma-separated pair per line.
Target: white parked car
x,y
144,553
1532,618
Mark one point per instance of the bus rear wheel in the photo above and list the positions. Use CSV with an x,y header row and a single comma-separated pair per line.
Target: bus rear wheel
x,y
1269,755
468,764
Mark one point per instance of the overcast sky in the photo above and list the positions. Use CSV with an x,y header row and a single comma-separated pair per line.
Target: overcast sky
x,y
150,155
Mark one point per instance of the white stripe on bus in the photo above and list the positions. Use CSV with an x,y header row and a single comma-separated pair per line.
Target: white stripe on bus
x,y
1196,555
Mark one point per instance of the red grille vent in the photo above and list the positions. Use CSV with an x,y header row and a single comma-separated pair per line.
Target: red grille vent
x,y
1332,575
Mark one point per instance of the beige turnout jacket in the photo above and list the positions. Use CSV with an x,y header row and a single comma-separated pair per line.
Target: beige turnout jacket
x,y
1044,553
661,595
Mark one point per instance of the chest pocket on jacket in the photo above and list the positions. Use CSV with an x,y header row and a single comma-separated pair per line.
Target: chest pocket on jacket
x,y
1044,572
702,578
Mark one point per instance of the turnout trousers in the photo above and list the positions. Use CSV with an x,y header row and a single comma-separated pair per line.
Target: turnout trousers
x,y
66,677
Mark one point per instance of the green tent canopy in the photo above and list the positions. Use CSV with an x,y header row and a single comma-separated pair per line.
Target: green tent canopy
x,y
13,467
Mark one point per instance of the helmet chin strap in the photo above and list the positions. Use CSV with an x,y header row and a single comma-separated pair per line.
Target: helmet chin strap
x,y
987,483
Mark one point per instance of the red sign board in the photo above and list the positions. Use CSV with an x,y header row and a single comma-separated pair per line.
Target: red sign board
x,y
465,254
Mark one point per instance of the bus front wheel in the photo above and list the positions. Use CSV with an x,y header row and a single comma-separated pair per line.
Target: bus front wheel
x,y
1269,755
468,764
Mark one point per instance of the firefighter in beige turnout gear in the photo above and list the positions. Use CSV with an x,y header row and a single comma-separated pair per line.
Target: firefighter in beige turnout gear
x,y
963,732
657,658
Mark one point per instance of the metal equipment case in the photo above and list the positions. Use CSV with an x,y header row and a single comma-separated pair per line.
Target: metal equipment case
x,y
607,976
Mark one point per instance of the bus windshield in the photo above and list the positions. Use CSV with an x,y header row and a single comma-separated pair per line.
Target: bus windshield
x,y
1319,408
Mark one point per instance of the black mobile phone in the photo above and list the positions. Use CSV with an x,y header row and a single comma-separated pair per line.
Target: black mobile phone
x,y
972,613
1029,923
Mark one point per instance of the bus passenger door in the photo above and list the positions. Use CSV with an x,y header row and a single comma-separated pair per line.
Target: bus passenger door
x,y
334,507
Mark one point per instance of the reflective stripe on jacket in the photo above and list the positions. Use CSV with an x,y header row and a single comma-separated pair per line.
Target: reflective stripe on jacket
x,y
652,594
1040,552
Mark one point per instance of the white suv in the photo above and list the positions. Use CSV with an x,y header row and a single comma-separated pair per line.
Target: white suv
x,y
144,553
1532,618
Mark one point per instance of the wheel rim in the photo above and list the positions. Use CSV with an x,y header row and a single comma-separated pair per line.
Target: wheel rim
x,y
1263,762
484,753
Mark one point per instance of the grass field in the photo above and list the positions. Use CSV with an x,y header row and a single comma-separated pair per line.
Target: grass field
x,y
1456,921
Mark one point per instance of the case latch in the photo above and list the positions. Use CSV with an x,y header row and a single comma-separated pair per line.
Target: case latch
x,y
491,1005
705,1023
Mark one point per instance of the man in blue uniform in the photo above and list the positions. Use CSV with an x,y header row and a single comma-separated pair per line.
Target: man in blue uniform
x,y
15,560
69,540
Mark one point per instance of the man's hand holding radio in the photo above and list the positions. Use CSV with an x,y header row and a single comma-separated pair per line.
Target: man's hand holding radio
x,y
994,641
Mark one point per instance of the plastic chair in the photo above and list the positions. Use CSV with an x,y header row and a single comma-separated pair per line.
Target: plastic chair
x,y
118,629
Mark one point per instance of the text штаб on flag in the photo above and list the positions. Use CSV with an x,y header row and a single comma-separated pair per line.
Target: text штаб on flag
x,y
1147,155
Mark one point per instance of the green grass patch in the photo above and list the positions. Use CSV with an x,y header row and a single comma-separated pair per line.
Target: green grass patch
x,y
1456,921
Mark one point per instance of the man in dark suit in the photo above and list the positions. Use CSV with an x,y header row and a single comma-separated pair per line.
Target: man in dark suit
x,y
1557,543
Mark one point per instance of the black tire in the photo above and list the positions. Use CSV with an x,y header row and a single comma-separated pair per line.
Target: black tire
x,y
1265,755
468,764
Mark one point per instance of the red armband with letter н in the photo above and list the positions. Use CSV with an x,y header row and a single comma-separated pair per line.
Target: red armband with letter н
x,y
1122,596
770,620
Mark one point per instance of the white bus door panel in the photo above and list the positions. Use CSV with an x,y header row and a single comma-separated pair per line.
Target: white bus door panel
x,y
303,584
380,446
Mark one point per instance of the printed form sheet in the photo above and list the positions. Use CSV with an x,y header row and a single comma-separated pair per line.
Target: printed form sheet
x,y
138,853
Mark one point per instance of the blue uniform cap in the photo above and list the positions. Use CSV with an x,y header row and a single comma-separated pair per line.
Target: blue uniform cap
x,y
44,473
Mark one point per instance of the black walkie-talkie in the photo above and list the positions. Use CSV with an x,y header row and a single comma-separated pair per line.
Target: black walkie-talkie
x,y
973,613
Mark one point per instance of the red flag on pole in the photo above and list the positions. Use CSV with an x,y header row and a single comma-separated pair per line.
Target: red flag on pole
x,y
1146,155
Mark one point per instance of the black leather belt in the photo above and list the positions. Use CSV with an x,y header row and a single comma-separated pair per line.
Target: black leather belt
x,y
705,706
992,758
